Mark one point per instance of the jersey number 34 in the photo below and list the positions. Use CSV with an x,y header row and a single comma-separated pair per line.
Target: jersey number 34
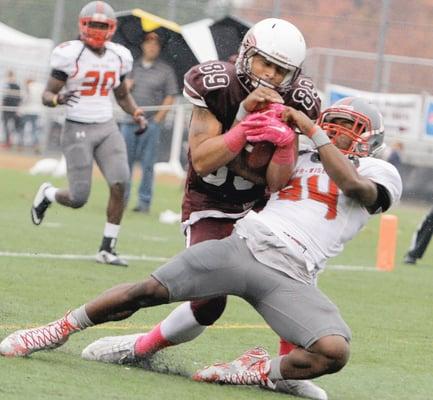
x,y
330,198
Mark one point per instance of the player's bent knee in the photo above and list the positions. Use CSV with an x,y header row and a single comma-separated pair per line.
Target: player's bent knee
x,y
206,312
335,351
79,194
118,187
332,353
78,201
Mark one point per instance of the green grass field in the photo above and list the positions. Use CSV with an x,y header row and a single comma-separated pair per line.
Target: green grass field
x,y
389,313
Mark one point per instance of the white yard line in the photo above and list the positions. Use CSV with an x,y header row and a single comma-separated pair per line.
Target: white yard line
x,y
153,258
141,327
154,238
77,256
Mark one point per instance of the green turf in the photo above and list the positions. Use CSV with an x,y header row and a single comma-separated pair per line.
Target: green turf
x,y
389,313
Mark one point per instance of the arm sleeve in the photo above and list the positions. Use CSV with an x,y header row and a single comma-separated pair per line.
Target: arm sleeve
x,y
59,75
383,201
387,179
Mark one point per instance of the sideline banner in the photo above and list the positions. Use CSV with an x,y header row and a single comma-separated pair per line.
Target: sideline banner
x,y
402,113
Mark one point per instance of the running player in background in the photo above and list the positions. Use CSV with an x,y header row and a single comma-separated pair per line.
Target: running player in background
x,y
84,72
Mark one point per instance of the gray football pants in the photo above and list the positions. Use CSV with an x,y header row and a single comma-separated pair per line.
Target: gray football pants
x,y
297,312
83,143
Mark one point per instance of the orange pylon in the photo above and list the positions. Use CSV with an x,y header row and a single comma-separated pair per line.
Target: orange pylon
x,y
387,244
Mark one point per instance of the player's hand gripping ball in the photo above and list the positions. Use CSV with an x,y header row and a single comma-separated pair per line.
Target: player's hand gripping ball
x,y
258,155
265,131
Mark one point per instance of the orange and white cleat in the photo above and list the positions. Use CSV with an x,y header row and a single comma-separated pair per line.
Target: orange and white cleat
x,y
24,342
251,368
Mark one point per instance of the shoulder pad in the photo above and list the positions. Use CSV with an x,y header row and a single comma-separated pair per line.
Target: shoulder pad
x,y
64,56
304,97
206,78
124,55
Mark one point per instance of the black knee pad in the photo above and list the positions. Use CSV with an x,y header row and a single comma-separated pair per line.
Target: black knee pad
x,y
206,312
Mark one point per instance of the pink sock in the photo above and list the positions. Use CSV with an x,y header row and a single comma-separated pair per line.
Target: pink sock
x,y
151,342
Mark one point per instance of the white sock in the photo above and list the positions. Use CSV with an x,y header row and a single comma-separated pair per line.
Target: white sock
x,y
50,193
111,230
275,369
181,326
79,318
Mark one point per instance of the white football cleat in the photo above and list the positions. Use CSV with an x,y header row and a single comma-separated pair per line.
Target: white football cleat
x,y
251,368
27,341
113,349
301,388
111,258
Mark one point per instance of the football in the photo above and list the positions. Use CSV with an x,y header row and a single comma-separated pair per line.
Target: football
x,y
258,155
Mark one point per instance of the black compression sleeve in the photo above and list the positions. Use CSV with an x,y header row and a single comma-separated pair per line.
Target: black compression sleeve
x,y
60,75
383,201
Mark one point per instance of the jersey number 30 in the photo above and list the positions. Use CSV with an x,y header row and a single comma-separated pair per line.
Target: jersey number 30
x,y
91,82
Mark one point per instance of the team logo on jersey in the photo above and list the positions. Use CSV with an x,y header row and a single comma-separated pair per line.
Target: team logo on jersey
x,y
80,135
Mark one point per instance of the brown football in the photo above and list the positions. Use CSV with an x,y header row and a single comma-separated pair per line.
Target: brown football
x,y
258,155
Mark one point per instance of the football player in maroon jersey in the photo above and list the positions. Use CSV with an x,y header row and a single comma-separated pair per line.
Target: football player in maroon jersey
x,y
219,189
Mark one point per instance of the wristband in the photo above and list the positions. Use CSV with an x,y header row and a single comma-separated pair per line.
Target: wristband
x,y
283,155
319,137
54,100
235,139
242,113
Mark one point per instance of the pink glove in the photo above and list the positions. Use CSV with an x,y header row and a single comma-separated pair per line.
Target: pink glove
x,y
273,110
263,128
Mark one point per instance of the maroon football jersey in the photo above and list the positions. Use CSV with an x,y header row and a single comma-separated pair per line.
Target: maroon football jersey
x,y
215,86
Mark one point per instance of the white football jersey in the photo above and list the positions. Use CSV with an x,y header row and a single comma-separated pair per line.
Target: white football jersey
x,y
93,75
314,215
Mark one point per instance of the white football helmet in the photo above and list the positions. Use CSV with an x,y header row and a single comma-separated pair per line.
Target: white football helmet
x,y
280,42
367,132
